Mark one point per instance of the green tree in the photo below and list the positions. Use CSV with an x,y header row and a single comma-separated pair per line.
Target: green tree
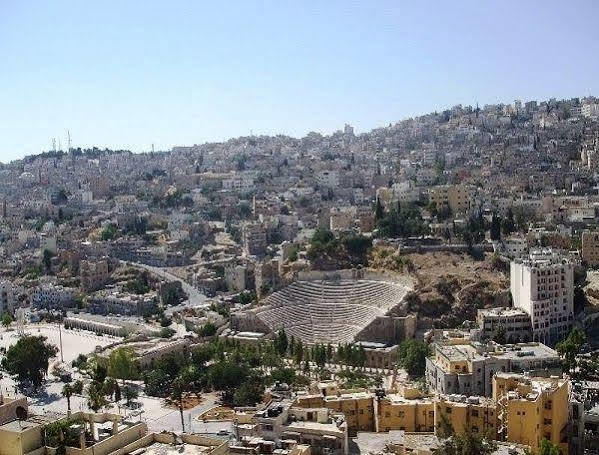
x,y
177,394
569,349
121,364
130,394
67,392
361,357
548,448
202,354
248,394
77,387
207,330
412,356
444,428
109,232
286,375
299,352
157,383
508,225
95,396
499,335
466,443
99,370
6,320
47,259
495,229
379,211
110,385
29,359
281,342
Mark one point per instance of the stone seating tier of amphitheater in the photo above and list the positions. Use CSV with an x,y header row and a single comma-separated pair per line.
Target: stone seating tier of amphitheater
x,y
329,311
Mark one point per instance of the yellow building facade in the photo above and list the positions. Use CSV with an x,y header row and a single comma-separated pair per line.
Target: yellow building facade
x,y
475,414
395,412
531,409
358,409
458,198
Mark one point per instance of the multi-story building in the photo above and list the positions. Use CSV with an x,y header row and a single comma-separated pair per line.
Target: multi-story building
x,y
254,239
590,110
467,368
122,303
543,286
475,414
328,179
399,192
514,322
531,409
426,176
93,274
9,296
324,431
459,198
240,183
49,296
405,412
513,247
341,219
590,247
357,407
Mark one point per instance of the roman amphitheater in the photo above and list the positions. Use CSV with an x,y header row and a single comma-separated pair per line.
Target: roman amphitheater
x,y
333,307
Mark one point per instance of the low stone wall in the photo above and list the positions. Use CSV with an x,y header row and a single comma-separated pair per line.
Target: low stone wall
x,y
354,274
389,329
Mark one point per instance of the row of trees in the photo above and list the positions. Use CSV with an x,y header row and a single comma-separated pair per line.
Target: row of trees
x,y
320,354
403,220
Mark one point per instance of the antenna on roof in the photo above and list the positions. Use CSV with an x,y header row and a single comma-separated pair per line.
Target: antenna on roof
x,y
53,144
69,141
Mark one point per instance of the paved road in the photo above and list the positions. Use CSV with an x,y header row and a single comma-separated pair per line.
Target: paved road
x,y
196,298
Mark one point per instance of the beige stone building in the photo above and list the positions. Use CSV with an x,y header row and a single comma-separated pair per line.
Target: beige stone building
x,y
459,198
590,248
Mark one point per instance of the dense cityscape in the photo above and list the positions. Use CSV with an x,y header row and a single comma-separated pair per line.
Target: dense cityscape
x,y
429,286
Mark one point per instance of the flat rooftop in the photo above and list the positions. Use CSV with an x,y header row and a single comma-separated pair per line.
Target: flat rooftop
x,y
18,426
502,311
159,448
325,427
395,398
523,351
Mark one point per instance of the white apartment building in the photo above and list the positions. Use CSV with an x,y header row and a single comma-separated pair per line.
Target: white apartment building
x,y
513,247
50,296
590,109
543,286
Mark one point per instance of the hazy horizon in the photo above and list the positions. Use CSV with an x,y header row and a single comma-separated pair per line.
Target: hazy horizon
x,y
129,75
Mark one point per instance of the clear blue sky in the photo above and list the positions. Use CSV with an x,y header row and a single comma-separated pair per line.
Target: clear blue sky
x,y
126,74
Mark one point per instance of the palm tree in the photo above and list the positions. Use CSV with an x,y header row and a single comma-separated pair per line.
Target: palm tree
x,y
177,395
67,391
